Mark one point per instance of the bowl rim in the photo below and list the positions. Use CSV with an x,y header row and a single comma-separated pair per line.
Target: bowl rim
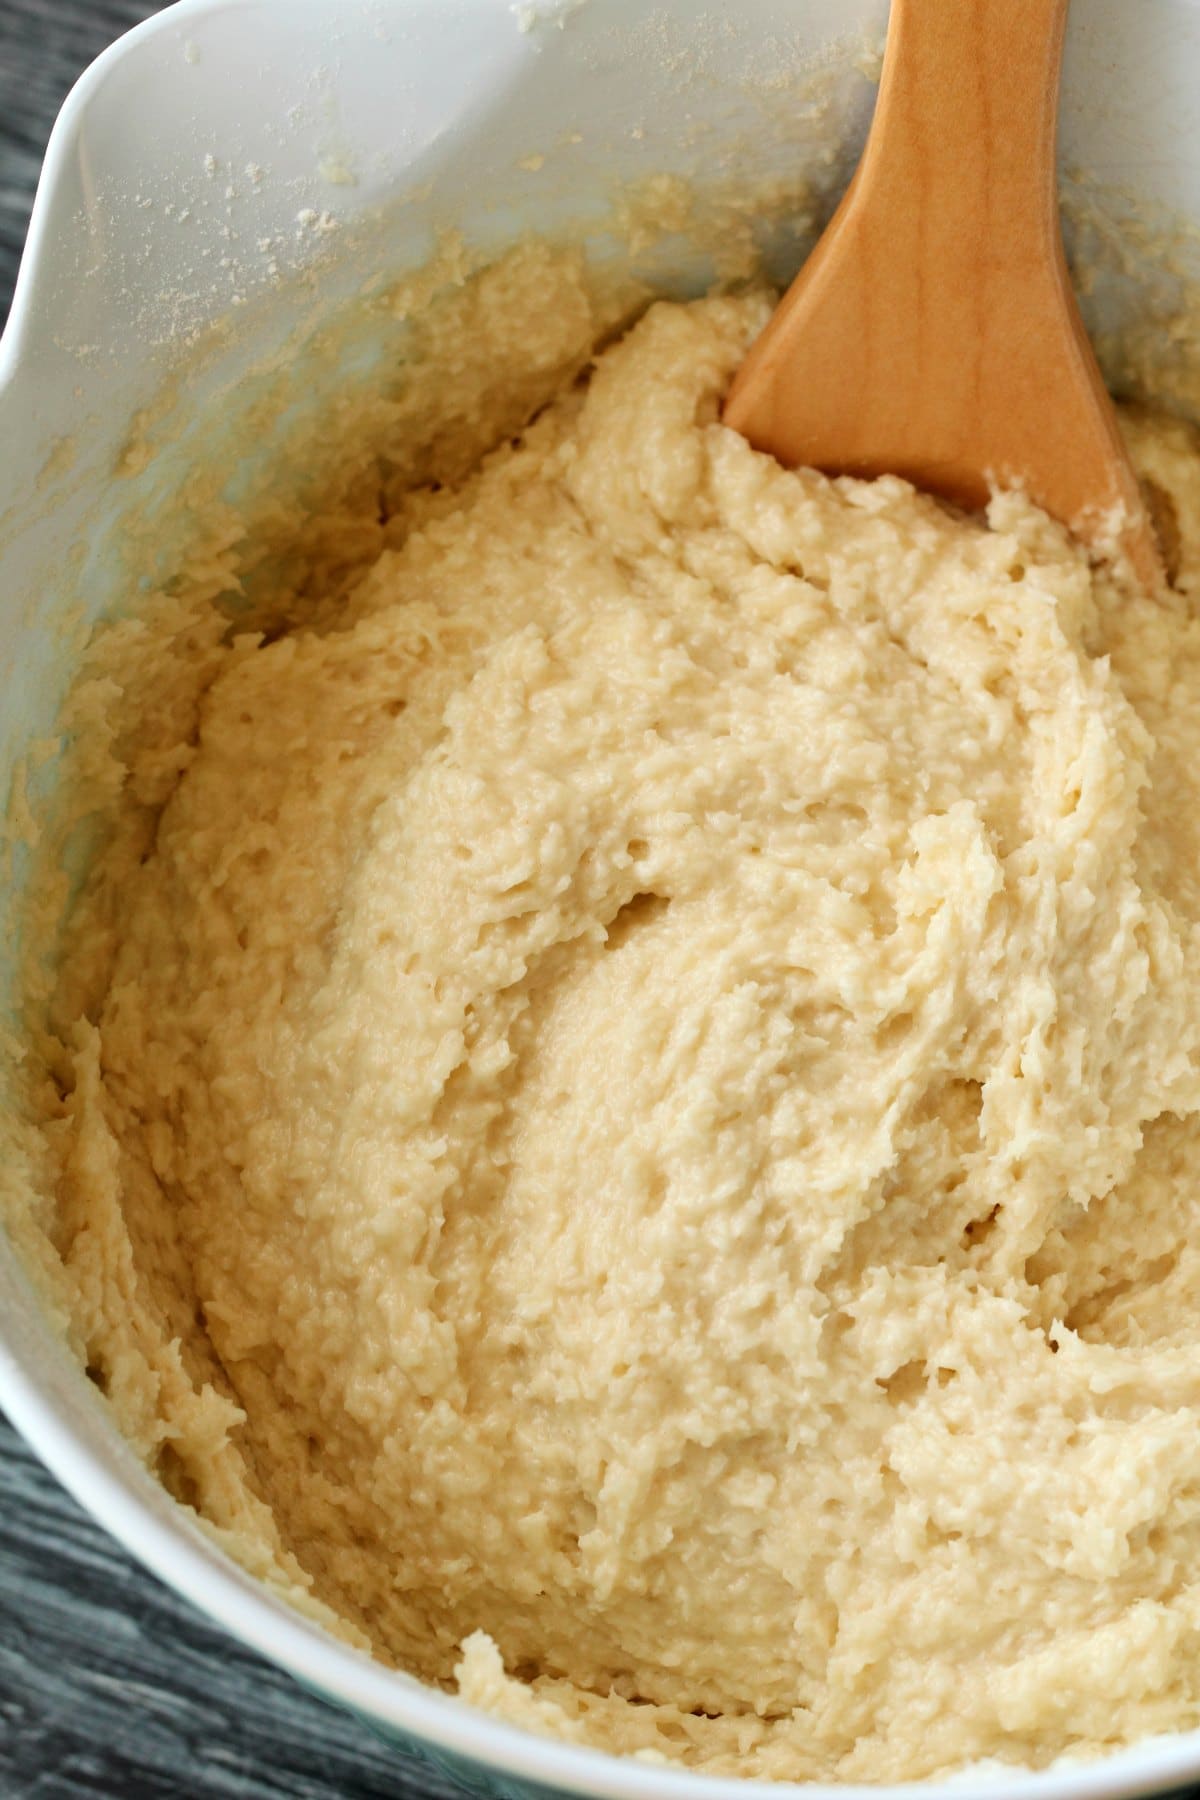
x,y
202,1573
60,149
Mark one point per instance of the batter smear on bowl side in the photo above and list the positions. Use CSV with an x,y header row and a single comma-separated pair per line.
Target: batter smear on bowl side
x,y
620,1109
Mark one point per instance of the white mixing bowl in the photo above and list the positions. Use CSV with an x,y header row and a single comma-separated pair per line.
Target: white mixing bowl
x,y
199,169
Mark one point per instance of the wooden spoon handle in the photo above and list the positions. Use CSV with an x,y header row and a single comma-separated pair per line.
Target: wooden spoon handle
x,y
960,229
933,332
968,106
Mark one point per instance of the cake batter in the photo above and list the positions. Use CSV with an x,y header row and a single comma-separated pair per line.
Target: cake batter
x,y
628,1133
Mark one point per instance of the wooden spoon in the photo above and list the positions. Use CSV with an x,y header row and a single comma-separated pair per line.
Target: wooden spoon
x,y
933,332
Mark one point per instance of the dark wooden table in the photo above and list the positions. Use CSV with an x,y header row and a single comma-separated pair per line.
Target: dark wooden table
x,y
110,1687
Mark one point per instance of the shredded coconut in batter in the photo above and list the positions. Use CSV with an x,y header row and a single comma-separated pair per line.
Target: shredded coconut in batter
x,y
628,1109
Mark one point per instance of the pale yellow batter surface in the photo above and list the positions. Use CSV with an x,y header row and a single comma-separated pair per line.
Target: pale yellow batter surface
x,y
630,1109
